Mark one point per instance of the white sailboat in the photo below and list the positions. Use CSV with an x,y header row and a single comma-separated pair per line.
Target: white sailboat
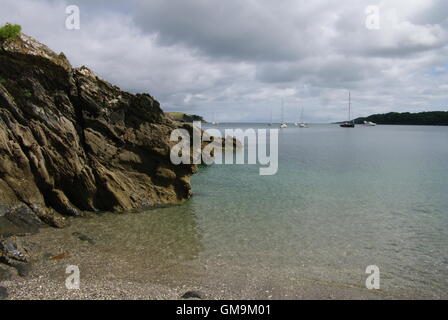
x,y
284,124
301,123
350,123
214,119
369,124
297,122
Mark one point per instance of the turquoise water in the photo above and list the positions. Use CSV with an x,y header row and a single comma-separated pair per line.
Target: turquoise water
x,y
343,199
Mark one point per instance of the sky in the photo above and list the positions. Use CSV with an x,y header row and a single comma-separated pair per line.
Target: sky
x,y
235,61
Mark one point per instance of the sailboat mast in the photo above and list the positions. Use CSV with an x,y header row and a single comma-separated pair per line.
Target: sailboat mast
x,y
301,115
349,107
282,112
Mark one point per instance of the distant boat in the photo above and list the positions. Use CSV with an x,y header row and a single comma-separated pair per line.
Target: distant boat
x,y
350,123
297,123
284,124
301,123
369,124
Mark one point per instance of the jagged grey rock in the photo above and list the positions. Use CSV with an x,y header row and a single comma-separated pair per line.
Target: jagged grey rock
x,y
72,142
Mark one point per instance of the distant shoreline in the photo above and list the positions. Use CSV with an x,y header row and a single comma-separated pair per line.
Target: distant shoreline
x,y
429,118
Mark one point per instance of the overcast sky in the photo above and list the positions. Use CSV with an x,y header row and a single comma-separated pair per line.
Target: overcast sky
x,y
235,60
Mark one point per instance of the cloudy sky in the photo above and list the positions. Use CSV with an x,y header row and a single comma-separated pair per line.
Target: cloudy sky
x,y
236,60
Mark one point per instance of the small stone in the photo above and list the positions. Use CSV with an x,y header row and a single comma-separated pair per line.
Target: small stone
x,y
47,256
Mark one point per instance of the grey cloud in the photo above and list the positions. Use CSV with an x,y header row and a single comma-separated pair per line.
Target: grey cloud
x,y
238,59
233,29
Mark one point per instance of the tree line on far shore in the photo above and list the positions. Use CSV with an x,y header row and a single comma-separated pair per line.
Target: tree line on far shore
x,y
435,118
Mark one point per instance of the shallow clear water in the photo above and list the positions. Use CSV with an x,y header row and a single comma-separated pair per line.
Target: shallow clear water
x,y
343,199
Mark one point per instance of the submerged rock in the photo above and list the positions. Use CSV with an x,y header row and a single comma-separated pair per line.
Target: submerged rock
x,y
3,293
193,295
5,274
13,250
15,253
83,237
23,269
23,219
72,142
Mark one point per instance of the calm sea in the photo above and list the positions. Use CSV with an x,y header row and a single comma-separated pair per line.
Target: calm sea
x,y
342,200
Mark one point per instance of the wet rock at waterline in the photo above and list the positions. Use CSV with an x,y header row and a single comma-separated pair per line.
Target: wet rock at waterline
x,y
19,219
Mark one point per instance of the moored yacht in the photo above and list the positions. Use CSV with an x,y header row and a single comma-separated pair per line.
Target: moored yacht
x,y
369,123
283,124
349,123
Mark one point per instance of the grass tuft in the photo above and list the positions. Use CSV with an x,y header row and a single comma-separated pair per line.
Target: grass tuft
x,y
10,31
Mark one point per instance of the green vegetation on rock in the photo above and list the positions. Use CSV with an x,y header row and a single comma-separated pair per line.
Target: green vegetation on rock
x,y
10,31
431,118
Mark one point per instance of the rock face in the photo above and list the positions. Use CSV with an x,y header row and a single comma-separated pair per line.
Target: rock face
x,y
71,142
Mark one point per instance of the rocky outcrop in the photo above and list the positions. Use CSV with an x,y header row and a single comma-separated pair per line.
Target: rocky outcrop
x,y
184,117
72,142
